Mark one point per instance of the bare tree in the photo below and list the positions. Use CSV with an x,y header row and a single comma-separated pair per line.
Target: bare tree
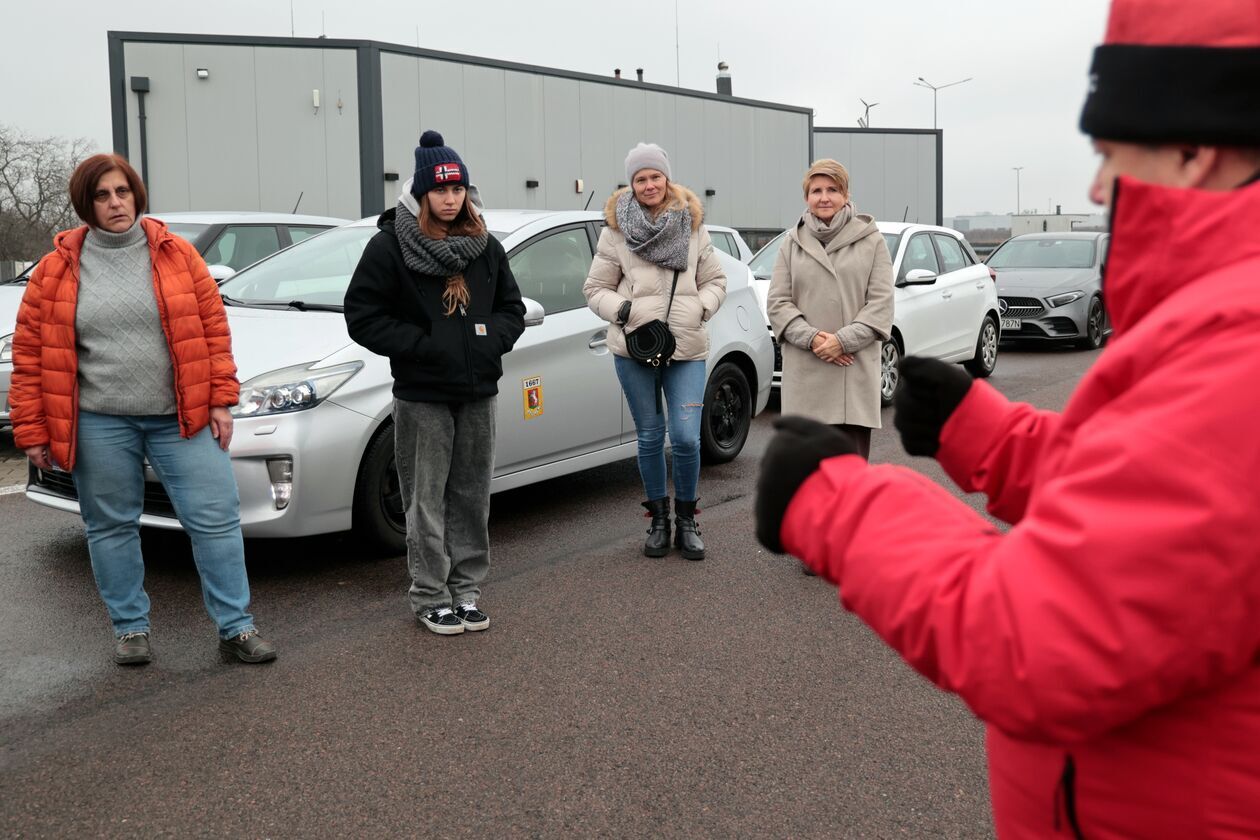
x,y
34,201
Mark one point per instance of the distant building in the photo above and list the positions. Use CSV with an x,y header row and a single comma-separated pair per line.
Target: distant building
x,y
894,173
980,221
1056,222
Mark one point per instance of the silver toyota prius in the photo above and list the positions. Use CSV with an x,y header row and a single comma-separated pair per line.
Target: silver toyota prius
x,y
313,445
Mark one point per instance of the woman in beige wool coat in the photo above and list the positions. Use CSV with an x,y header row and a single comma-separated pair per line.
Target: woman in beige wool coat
x,y
831,306
655,237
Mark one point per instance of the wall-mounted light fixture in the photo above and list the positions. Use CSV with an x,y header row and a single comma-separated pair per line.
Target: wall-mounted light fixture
x,y
391,175
622,186
578,186
709,193
530,184
203,73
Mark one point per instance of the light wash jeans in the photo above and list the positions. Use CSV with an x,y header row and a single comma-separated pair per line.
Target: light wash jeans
x,y
684,399
197,475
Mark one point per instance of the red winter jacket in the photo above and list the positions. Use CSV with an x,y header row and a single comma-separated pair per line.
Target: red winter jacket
x,y
1110,639
44,391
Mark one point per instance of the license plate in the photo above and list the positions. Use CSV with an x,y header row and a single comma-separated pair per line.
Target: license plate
x,y
1012,324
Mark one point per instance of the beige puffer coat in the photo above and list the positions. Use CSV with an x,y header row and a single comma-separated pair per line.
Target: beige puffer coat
x,y
618,275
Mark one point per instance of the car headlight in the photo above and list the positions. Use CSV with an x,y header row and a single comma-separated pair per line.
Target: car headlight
x,y
292,389
1064,299
6,348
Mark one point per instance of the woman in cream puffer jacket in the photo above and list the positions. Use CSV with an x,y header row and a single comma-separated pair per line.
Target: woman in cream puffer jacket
x,y
654,235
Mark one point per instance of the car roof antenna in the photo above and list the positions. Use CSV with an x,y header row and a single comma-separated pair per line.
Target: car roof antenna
x,y
299,201
905,214
588,200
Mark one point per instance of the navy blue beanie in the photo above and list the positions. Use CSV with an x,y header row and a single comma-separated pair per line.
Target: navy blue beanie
x,y
437,165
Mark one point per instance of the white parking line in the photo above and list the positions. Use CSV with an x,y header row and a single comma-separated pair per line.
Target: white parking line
x,y
12,488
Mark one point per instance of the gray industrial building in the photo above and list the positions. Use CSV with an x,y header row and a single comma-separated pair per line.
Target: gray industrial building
x,y
894,173
249,123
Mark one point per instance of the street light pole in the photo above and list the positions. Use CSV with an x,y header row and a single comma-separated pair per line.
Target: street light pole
x,y
1017,169
924,83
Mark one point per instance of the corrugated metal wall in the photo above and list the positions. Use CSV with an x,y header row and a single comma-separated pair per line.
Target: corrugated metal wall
x,y
510,126
248,137
894,176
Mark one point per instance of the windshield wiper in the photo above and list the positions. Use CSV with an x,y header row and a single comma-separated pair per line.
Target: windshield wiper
x,y
231,301
303,306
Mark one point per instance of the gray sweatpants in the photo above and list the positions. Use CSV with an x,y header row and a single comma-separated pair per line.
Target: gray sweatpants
x,y
445,454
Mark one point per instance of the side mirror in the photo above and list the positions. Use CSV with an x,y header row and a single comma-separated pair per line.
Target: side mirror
x,y
221,272
919,277
534,312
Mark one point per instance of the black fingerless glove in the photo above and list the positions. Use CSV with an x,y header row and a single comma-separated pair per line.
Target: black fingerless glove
x,y
930,390
623,314
793,455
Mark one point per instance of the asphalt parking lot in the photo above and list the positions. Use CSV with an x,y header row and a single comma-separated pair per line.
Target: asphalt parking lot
x,y
614,696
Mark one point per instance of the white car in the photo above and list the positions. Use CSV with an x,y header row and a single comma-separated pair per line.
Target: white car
x,y
313,447
729,241
945,301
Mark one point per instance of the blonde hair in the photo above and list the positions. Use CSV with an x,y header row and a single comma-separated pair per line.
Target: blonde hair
x,y
827,168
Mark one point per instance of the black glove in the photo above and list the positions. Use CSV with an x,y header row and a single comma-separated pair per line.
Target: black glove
x,y
623,314
930,391
792,456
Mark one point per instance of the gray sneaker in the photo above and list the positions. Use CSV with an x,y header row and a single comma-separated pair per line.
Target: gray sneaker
x,y
133,649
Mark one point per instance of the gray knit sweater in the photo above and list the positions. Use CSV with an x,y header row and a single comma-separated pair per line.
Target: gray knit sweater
x,y
124,361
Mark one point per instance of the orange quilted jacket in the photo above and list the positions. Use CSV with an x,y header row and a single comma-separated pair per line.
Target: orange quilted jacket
x,y
43,394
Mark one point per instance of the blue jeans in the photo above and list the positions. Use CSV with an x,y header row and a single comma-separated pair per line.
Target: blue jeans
x,y
684,399
197,475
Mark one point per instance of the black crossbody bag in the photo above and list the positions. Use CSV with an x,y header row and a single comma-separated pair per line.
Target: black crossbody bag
x,y
652,345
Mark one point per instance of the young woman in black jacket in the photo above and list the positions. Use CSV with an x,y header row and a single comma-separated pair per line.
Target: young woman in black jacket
x,y
433,291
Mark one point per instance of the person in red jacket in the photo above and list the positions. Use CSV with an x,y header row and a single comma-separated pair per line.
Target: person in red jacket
x,y
121,355
1110,639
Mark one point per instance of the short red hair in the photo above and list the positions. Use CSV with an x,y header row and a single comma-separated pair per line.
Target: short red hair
x,y
89,173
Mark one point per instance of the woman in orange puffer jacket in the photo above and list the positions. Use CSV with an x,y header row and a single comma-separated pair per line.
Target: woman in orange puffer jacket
x,y
122,354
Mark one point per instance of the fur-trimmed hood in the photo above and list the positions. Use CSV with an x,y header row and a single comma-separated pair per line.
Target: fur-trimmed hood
x,y
679,197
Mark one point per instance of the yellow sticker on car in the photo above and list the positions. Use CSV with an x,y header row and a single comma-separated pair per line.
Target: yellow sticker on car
x,y
532,396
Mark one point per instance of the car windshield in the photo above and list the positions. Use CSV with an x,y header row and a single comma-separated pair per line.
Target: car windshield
x,y
315,271
1044,253
762,265
186,230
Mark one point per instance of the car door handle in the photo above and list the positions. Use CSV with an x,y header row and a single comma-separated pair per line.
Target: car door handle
x,y
947,295
979,284
598,340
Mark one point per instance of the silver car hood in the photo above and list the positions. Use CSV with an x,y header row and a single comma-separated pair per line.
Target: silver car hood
x,y
1040,282
10,299
264,340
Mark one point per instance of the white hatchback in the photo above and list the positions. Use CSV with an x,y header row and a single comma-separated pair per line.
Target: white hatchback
x,y
945,301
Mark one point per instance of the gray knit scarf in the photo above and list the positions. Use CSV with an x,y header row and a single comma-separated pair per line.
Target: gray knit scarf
x,y
663,241
435,257
824,232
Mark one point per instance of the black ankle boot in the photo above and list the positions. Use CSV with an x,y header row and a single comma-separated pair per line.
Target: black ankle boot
x,y
686,531
657,542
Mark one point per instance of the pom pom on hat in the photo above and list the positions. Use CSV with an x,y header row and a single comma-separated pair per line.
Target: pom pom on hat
x,y
437,165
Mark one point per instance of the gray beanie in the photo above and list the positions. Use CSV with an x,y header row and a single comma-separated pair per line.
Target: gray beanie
x,y
647,156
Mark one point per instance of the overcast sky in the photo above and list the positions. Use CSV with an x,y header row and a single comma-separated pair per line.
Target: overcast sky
x,y
1028,60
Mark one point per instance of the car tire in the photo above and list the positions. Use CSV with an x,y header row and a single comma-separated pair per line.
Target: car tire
x,y
727,414
378,517
889,371
1095,326
985,360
